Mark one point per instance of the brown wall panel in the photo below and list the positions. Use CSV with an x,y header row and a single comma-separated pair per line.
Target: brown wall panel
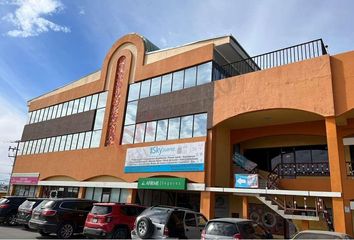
x,y
184,102
80,122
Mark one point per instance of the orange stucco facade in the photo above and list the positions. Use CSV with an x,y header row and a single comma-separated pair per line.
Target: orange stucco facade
x,y
302,103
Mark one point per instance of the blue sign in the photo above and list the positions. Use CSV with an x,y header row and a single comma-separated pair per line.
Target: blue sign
x,y
246,180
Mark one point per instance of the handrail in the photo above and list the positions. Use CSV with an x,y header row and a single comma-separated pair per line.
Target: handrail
x,y
292,54
350,169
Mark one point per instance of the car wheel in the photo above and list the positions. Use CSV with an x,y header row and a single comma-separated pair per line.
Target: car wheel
x,y
65,231
120,233
44,234
12,220
144,228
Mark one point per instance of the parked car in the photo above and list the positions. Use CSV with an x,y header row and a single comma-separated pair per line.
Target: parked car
x,y
63,216
111,220
316,234
234,228
8,208
25,210
168,222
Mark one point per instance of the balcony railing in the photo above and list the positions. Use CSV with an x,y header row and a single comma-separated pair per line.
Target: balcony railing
x,y
350,169
276,58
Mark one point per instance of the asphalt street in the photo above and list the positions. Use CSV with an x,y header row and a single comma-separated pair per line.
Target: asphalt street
x,y
18,232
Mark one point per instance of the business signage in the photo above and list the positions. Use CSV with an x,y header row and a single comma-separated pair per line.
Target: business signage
x,y
243,162
24,178
246,180
184,157
163,183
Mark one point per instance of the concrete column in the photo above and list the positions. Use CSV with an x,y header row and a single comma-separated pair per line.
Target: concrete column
x,y
337,172
245,213
39,191
82,192
207,204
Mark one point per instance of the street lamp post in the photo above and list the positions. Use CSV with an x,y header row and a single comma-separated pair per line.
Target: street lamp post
x,y
12,153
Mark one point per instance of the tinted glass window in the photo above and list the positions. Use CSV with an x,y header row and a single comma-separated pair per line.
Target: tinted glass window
x,y
76,106
94,102
88,103
190,220
69,205
81,105
173,128
128,134
70,107
101,210
186,127
130,115
27,204
155,86
65,109
134,90
145,89
129,211
177,82
84,206
320,154
221,229
166,83
139,133
158,215
200,125
102,99
46,204
204,73
99,119
190,77
161,132
150,131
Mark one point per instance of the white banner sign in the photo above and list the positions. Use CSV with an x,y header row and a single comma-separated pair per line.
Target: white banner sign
x,y
184,157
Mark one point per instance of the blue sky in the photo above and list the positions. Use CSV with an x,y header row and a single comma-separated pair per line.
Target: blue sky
x,y
45,44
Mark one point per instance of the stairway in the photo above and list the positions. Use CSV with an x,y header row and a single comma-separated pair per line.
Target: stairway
x,y
276,208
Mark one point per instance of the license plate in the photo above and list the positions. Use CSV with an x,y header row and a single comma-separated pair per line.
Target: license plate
x,y
94,220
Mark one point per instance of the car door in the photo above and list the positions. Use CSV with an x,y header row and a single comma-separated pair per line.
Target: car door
x,y
190,225
83,208
201,222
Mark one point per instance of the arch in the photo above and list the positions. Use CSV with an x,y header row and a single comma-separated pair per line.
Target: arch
x,y
104,178
59,178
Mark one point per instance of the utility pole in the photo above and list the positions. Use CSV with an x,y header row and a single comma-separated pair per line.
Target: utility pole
x,y
12,153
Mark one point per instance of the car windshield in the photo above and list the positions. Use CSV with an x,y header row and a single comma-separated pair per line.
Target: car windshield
x,y
101,210
221,229
246,229
27,204
3,200
157,215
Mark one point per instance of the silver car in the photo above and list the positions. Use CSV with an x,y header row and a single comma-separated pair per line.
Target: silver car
x,y
168,222
316,234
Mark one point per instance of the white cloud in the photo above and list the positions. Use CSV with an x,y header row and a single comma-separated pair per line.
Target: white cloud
x,y
11,125
82,11
29,19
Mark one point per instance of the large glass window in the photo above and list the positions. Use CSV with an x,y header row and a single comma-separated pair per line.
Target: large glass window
x,y
52,144
80,142
45,114
150,131
166,83
87,140
68,142
102,99
190,77
155,86
70,108
94,102
128,134
65,109
186,127
161,133
134,90
204,73
81,105
57,144
200,125
76,106
50,112
62,143
87,103
96,138
99,119
60,108
130,116
55,110
139,133
74,141
145,89
173,128
177,83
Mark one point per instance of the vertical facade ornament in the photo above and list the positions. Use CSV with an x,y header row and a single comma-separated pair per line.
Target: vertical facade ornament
x,y
113,117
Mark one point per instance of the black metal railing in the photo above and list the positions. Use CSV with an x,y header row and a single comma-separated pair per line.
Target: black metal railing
x,y
350,169
293,170
276,58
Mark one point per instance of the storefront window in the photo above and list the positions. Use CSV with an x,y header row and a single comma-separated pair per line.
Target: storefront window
x,y
107,194
25,190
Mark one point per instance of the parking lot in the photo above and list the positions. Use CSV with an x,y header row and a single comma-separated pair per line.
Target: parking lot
x,y
18,232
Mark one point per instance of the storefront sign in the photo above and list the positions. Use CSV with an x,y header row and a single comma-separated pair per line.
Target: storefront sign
x,y
26,179
246,180
243,162
163,183
185,157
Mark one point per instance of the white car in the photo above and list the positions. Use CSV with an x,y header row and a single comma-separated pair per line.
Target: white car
x,y
316,234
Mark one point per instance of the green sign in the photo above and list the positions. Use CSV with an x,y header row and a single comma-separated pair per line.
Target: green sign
x,y
162,183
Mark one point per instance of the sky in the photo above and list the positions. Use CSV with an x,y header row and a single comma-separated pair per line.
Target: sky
x,y
45,44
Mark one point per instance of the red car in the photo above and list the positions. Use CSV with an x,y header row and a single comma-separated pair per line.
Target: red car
x,y
111,220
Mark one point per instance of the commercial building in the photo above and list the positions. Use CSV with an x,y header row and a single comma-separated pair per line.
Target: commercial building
x,y
204,126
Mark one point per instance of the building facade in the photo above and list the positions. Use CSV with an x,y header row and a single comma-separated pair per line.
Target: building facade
x,y
204,126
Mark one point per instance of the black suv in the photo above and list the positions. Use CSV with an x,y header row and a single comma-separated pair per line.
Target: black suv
x,y
64,216
8,208
168,222
25,210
